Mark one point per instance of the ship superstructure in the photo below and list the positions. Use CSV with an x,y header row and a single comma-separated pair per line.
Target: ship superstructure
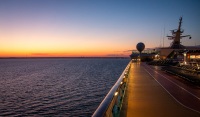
x,y
176,36
176,51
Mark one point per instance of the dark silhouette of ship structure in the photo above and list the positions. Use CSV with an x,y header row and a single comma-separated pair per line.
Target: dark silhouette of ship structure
x,y
175,51
176,36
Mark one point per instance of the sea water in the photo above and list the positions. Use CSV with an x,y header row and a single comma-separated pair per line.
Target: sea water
x,y
56,87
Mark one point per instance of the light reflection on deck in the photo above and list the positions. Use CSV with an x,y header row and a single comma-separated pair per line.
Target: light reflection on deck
x,y
150,94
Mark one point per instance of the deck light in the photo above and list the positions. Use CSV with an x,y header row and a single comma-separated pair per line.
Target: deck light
x,y
116,93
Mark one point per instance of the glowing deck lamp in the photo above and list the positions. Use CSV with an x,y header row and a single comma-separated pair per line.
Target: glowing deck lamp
x,y
116,93
185,57
156,56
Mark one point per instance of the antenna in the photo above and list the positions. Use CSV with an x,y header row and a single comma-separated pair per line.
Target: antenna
x,y
160,38
164,36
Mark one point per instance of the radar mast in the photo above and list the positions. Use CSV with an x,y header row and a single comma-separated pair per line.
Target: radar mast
x,y
176,36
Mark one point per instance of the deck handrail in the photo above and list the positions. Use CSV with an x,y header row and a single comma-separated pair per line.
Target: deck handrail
x,y
107,105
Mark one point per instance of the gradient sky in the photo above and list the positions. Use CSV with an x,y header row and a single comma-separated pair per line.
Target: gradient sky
x,y
92,28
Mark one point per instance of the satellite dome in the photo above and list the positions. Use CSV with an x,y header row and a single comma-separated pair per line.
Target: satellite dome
x,y
140,46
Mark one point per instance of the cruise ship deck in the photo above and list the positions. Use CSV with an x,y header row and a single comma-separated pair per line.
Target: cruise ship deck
x,y
153,94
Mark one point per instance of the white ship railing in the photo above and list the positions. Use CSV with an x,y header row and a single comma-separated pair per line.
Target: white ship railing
x,y
112,103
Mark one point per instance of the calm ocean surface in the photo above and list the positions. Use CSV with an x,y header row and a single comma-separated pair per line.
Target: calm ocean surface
x,y
56,87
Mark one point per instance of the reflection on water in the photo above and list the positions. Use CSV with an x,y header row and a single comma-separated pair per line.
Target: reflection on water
x,y
49,87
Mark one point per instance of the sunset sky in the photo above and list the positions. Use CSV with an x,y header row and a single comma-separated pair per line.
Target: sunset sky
x,y
74,28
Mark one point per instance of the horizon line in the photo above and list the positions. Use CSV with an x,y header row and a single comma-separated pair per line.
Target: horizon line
x,y
59,57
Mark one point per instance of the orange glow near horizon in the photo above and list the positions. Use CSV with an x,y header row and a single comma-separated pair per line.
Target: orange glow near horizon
x,y
45,44
22,46
65,48
62,54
